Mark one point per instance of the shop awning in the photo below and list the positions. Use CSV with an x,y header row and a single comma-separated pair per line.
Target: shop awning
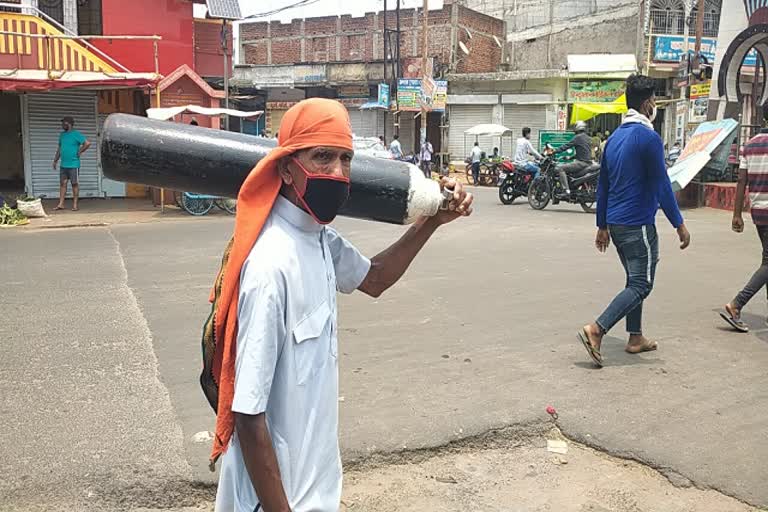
x,y
373,105
586,111
601,65
488,130
33,80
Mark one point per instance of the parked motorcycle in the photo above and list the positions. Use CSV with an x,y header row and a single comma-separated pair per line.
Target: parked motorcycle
x,y
514,182
547,187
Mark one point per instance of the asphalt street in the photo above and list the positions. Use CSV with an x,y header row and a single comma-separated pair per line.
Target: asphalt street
x,y
101,353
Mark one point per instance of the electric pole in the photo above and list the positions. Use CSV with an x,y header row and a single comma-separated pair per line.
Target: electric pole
x,y
426,78
699,31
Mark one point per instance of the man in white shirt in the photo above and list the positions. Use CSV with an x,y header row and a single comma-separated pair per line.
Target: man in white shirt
x,y
524,151
284,454
475,157
426,158
395,148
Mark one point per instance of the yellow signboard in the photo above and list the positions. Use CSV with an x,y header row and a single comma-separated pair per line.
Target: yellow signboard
x,y
700,90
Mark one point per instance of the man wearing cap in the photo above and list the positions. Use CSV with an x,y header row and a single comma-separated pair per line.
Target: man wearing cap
x,y
274,322
72,144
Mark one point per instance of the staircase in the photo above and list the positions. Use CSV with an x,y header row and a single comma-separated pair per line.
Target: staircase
x,y
29,42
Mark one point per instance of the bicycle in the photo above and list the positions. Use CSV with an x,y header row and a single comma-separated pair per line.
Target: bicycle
x,y
201,204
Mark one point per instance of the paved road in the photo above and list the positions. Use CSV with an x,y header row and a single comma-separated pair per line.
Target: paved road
x,y
98,383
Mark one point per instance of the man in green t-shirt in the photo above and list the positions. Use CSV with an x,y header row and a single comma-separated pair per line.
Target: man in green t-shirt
x,y
72,144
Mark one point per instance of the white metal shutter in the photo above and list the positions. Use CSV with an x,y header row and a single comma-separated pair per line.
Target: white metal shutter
x,y
366,123
462,118
44,112
518,116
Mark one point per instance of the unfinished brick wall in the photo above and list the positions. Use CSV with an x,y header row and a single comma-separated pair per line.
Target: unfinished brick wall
x,y
361,39
485,54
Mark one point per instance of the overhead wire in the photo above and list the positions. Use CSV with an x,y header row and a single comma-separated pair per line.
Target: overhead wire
x,y
300,3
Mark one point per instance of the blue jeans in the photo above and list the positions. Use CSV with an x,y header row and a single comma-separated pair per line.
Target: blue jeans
x,y
532,168
476,171
638,248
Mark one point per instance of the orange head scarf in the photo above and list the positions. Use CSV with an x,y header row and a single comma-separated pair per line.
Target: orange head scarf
x,y
310,123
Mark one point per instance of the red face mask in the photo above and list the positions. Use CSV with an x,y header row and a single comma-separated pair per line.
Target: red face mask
x,y
323,195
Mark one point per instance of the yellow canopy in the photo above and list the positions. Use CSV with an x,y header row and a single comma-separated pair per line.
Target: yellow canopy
x,y
586,111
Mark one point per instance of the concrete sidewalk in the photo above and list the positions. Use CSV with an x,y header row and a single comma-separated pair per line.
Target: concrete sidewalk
x,y
106,212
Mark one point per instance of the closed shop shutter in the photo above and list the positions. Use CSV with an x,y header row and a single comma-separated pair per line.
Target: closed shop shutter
x,y
462,118
408,132
365,123
44,113
518,116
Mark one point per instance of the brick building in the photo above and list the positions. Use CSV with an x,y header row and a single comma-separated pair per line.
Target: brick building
x,y
343,57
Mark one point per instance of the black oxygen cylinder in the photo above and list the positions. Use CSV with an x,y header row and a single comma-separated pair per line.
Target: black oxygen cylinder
x,y
193,159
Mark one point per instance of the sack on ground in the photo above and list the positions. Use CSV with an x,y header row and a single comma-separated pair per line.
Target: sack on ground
x,y
32,208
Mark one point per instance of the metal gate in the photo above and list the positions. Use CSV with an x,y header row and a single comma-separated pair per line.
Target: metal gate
x,y
43,114
462,118
518,116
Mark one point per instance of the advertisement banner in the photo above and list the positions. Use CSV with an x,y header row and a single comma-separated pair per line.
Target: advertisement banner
x,y
699,108
408,95
700,90
440,98
383,99
595,91
672,48
698,152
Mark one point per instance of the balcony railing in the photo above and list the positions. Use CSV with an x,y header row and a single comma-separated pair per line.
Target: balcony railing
x,y
54,27
669,22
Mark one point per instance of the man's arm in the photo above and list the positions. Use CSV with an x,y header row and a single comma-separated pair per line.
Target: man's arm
x,y
84,147
657,171
603,184
57,157
261,462
533,151
568,145
389,266
738,221
260,338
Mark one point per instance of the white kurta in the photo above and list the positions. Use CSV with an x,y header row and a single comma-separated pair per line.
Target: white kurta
x,y
287,358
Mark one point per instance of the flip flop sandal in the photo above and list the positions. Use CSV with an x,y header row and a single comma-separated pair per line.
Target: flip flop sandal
x,y
594,354
736,323
648,347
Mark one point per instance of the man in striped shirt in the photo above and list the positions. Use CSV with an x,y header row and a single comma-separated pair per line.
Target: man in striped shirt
x,y
756,176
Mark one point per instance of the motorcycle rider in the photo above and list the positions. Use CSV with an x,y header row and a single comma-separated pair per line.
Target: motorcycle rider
x,y
524,151
582,143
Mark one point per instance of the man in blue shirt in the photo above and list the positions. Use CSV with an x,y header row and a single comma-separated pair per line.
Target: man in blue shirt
x,y
633,183
72,144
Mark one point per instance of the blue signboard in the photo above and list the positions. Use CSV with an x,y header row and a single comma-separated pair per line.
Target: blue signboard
x,y
671,49
383,100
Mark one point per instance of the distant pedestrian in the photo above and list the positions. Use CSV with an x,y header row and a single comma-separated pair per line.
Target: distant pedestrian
x,y
752,174
395,148
633,183
474,158
426,158
383,141
72,144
